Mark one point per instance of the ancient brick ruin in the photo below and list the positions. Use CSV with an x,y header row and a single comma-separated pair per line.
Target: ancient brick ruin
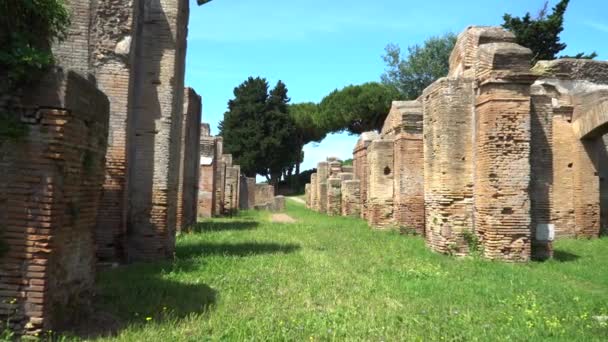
x,y
109,168
49,196
497,156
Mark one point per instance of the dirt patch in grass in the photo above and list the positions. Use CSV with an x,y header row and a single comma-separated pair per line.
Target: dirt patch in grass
x,y
282,218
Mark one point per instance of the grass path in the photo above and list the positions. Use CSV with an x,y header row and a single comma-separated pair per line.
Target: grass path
x,y
325,278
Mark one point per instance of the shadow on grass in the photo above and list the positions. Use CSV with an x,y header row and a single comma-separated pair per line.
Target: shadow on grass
x,y
139,294
563,256
214,226
236,249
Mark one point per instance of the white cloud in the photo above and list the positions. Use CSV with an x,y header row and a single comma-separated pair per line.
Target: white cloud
x,y
598,26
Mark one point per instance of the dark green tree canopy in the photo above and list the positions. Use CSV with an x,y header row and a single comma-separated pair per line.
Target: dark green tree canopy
x,y
541,33
28,28
422,66
356,108
258,130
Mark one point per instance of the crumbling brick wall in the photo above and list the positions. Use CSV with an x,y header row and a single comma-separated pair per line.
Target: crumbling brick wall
x,y
187,192
233,176
49,197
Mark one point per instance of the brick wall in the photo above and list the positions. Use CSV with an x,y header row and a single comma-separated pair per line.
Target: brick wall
x,y
49,196
207,177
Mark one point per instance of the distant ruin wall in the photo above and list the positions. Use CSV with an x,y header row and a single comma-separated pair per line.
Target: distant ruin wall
x,y
49,197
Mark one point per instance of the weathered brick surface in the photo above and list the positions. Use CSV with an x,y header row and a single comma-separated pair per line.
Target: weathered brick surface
x,y
307,195
334,197
404,125
220,177
264,195
322,175
247,193
112,27
380,192
502,152
207,176
158,111
351,198
448,163
360,165
187,191
314,192
231,200
49,197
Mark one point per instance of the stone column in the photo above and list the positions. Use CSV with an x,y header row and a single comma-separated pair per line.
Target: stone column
x,y
380,161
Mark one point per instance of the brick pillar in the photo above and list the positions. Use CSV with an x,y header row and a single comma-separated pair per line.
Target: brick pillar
x,y
322,175
563,146
541,168
158,111
361,168
334,197
448,164
112,43
351,198
49,197
502,173
314,191
189,163
220,177
207,176
380,193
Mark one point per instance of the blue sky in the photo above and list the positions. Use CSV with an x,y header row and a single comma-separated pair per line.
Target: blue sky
x,y
316,46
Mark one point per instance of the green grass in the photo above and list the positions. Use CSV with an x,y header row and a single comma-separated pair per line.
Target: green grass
x,y
334,279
